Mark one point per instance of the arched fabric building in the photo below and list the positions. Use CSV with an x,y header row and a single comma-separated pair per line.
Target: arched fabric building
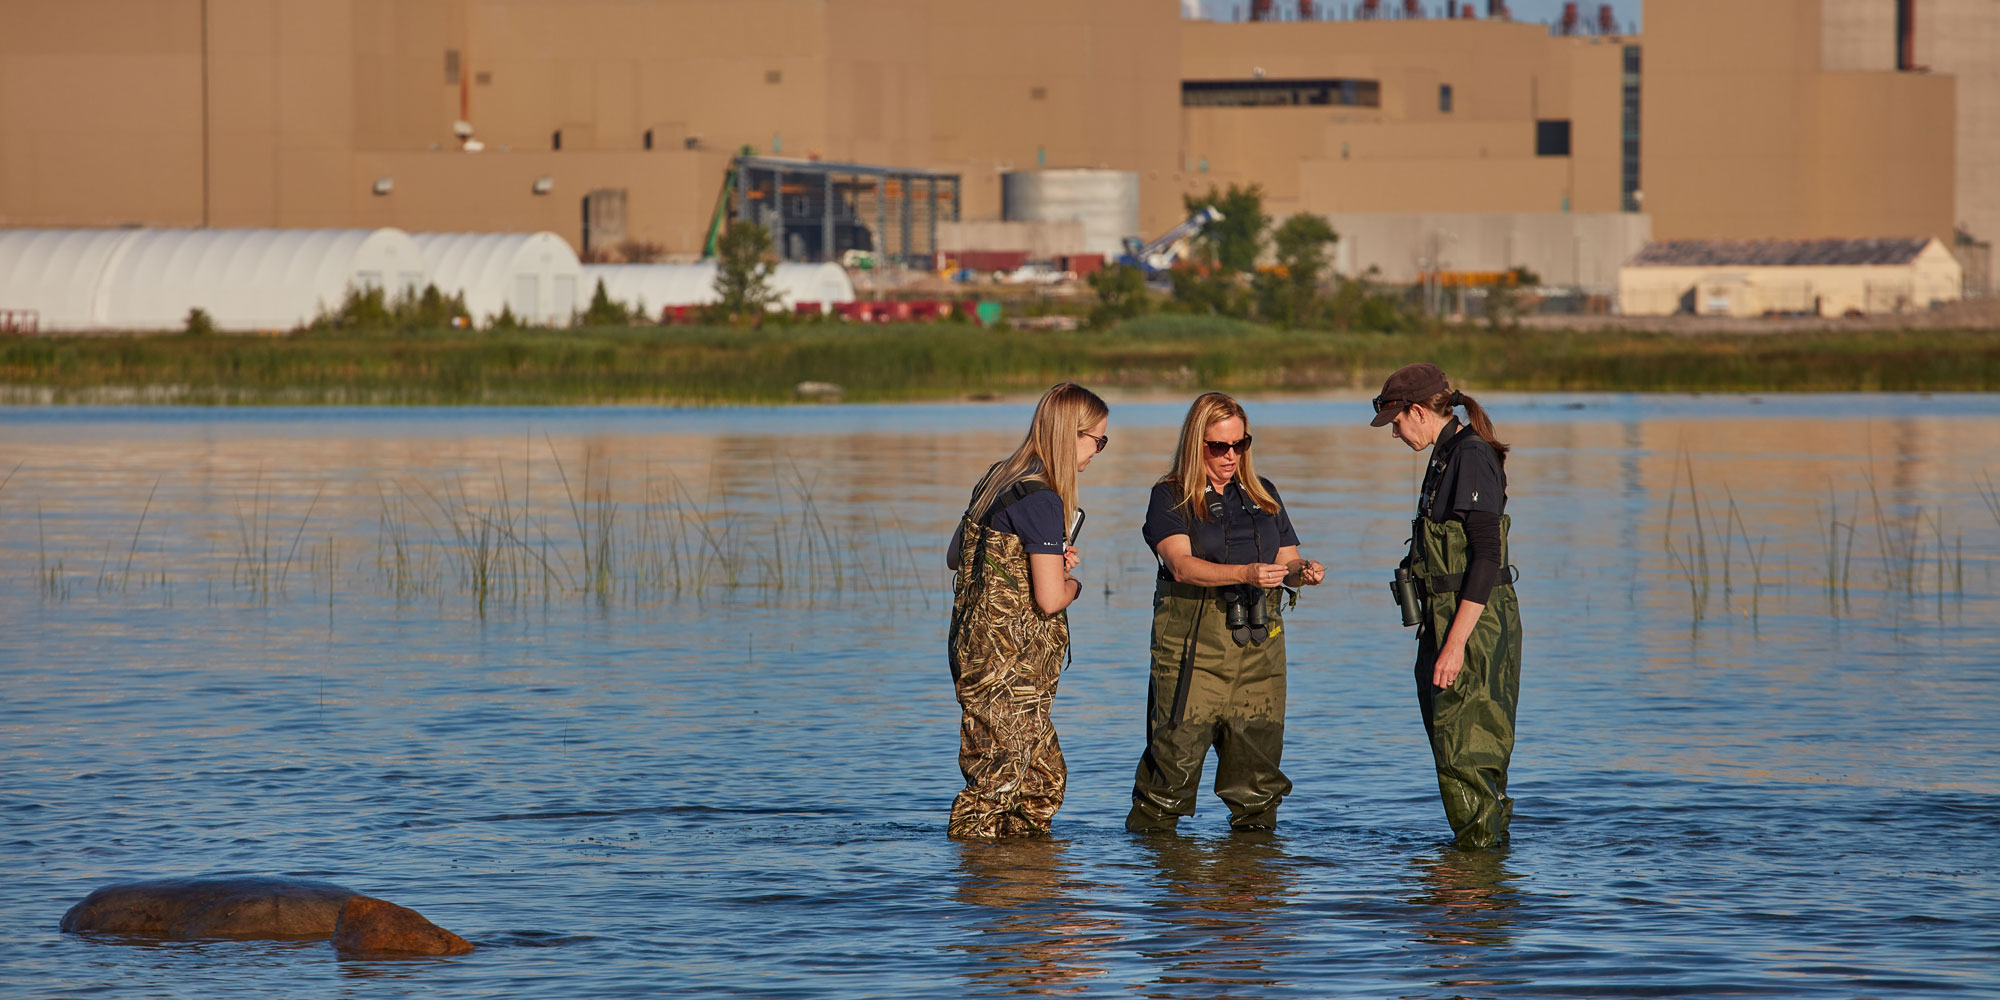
x,y
532,274
246,279
654,287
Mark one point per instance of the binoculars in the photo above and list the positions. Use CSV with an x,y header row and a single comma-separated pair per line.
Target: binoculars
x,y
1245,618
1404,589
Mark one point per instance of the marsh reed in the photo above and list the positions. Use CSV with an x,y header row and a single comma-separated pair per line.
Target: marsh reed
x,y
1915,551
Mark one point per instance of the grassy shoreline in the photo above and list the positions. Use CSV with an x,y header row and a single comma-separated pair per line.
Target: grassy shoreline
x,y
719,365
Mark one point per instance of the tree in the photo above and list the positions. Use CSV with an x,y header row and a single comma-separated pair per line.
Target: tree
x,y
1503,301
1359,303
604,312
1289,294
744,266
1238,237
1121,294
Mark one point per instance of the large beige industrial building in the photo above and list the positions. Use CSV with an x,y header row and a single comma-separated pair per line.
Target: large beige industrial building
x,y
1735,120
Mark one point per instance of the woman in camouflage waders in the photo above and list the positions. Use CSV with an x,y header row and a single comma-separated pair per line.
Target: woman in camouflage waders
x,y
1468,669
1009,632
1226,547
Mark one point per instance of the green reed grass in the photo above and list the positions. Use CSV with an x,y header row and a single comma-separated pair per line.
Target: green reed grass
x,y
700,365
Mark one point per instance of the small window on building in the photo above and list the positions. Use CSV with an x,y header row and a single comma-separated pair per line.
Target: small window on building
x,y
1038,94
1444,98
555,139
1552,137
774,76
451,67
483,79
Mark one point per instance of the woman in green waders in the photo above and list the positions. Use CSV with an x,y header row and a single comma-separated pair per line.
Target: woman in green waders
x,y
1226,546
1009,632
1468,669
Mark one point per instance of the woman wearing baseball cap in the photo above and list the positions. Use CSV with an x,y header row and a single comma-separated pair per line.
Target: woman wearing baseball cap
x,y
1468,668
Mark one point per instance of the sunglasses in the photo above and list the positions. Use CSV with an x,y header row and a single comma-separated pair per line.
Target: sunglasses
x,y
1221,448
1383,404
1103,441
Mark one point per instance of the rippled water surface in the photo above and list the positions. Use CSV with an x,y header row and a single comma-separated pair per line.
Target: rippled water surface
x,y
652,702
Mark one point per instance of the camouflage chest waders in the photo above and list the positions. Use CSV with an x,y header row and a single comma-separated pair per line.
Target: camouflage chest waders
x,y
1207,690
1006,657
1471,723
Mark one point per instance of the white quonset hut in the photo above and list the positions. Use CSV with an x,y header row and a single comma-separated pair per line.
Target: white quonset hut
x,y
246,279
534,275
653,287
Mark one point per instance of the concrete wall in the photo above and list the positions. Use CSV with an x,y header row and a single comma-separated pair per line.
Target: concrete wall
x,y
1747,136
1962,38
1582,250
1411,155
1758,123
1040,240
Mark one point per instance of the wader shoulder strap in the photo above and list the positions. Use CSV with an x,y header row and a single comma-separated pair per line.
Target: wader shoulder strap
x,y
1009,497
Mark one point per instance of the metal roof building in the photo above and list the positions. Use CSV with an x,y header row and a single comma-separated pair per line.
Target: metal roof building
x,y
1788,277
246,279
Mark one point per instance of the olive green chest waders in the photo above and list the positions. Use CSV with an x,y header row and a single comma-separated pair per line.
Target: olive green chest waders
x,y
1006,657
1207,690
1470,723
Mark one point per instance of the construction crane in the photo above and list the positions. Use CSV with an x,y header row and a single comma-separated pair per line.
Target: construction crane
x,y
1158,257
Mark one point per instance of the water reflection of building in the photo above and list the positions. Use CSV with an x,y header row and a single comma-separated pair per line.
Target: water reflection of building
x,y
1220,915
1033,938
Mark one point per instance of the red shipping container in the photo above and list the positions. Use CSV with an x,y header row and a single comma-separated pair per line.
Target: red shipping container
x,y
1083,265
992,260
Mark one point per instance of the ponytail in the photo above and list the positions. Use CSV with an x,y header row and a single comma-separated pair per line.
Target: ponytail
x,y
1475,415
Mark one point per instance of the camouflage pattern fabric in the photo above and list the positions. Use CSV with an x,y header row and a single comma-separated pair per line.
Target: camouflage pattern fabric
x,y
1471,723
1006,657
1231,697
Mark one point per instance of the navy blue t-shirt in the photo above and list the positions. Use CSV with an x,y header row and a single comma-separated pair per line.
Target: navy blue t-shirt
x,y
1038,519
1163,518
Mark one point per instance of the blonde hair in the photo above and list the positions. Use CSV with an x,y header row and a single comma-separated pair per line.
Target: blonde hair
x,y
1048,453
1188,473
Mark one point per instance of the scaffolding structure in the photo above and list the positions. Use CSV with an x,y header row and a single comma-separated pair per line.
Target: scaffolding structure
x,y
818,211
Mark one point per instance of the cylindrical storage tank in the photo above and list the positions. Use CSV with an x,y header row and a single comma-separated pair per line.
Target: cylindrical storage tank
x,y
534,275
1105,201
653,287
245,279
55,273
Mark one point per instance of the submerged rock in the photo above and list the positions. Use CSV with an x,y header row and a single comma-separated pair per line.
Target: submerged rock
x,y
261,908
369,926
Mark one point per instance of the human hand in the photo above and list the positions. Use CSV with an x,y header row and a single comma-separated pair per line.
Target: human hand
x,y
1308,571
1451,659
1265,575
1070,558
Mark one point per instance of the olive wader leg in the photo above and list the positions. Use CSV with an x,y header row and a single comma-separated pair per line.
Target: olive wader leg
x,y
1169,773
1251,739
1206,690
1471,723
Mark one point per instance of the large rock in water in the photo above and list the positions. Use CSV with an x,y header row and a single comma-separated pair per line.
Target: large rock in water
x,y
369,926
257,908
